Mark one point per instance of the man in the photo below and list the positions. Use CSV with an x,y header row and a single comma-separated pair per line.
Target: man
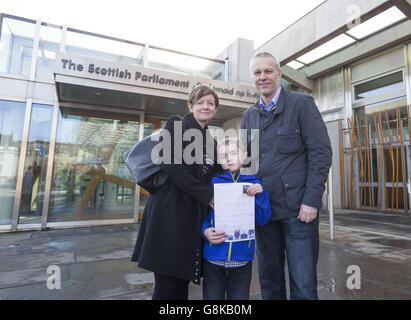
x,y
294,161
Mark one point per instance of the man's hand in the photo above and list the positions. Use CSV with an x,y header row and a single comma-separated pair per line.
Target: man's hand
x,y
307,214
254,189
214,237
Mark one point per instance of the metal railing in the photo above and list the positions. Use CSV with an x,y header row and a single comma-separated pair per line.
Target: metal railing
x,y
107,48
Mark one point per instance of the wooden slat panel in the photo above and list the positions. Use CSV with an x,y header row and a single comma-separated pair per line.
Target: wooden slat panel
x,y
379,162
392,159
361,164
341,150
368,154
404,189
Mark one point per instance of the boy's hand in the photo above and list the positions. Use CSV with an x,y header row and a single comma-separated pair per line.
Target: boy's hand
x,y
214,237
254,189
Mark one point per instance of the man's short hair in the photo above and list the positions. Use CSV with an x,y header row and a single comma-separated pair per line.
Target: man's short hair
x,y
264,55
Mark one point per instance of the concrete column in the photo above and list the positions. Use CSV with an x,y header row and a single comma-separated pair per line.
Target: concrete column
x,y
239,54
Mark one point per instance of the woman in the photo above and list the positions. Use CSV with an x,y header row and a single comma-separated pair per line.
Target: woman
x,y
169,240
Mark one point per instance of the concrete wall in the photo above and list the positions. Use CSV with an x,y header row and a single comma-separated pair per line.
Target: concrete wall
x,y
239,54
320,25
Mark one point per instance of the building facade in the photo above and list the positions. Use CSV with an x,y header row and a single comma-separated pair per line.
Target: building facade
x,y
354,58
72,102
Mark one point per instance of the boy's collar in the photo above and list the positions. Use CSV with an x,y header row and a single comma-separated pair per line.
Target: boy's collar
x,y
235,175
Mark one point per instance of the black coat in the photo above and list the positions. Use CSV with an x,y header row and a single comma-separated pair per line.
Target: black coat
x,y
294,152
169,240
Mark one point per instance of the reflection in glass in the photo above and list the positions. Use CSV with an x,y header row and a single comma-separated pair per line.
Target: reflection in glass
x,y
16,46
34,178
105,49
90,180
49,45
11,129
379,86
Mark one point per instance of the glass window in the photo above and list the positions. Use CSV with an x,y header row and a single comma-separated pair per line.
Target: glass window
x,y
16,46
49,45
385,110
34,178
379,86
90,180
184,64
11,130
104,49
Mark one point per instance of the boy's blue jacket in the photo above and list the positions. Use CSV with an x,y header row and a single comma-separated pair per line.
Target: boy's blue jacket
x,y
242,250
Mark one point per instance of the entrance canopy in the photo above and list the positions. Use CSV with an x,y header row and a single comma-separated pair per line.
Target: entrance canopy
x,y
97,85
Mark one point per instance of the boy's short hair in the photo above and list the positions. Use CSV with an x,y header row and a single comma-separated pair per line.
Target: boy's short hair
x,y
226,141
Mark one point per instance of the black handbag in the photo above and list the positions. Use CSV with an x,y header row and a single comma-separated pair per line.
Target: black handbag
x,y
138,159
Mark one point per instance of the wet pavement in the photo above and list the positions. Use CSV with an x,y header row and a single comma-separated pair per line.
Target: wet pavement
x,y
94,262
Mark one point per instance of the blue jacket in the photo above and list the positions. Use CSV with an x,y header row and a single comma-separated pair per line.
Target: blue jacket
x,y
242,250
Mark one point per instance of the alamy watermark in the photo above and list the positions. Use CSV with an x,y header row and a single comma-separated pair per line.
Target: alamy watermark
x,y
354,280
169,149
354,18
54,280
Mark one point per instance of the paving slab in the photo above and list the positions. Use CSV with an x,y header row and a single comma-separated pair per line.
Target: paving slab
x,y
28,277
23,262
95,261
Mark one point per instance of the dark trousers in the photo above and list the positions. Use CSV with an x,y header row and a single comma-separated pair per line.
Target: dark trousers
x,y
297,240
217,281
169,288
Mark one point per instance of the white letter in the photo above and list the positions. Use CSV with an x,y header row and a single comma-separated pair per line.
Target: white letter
x,y
254,157
164,145
196,145
354,281
178,143
354,18
54,281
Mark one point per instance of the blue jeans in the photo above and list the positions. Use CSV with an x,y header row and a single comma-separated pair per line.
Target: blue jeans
x,y
219,280
297,240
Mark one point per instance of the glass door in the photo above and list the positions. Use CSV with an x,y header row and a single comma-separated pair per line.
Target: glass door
x,y
90,180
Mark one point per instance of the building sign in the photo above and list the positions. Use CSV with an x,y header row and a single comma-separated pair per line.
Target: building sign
x,y
91,68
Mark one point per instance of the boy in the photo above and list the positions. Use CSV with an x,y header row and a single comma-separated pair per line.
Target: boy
x,y
227,265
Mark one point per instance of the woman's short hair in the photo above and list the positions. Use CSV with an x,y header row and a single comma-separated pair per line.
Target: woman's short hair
x,y
200,91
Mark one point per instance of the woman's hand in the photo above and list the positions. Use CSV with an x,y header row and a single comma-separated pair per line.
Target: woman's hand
x,y
214,237
211,203
254,189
